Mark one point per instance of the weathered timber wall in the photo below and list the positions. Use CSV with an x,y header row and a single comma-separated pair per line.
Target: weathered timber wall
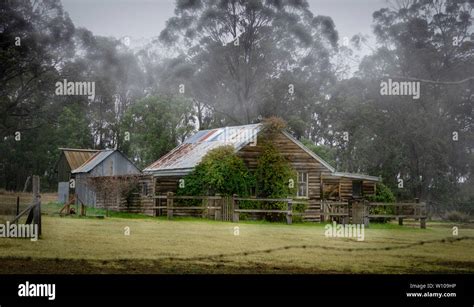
x,y
299,159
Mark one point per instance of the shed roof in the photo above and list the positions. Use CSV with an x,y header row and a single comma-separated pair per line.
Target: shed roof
x,y
93,161
76,157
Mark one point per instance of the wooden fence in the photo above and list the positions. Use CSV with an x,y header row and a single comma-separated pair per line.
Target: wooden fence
x,y
334,209
225,208
33,211
211,206
288,212
362,211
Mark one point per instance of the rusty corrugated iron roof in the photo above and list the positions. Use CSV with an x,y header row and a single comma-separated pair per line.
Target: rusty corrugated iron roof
x,y
76,157
93,161
186,156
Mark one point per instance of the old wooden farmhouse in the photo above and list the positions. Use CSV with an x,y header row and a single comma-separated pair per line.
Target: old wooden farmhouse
x,y
316,178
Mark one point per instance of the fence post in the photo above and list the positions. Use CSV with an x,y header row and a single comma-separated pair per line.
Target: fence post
x,y
37,202
366,213
224,201
209,205
235,206
323,219
399,212
151,192
289,213
423,223
169,205
359,213
417,211
205,206
216,204
422,212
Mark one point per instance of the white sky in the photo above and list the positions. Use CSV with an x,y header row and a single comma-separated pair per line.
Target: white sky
x,y
146,18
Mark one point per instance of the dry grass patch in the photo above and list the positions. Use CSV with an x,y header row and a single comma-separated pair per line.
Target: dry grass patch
x,y
194,246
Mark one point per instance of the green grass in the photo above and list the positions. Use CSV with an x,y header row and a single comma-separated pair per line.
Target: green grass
x,y
53,209
188,245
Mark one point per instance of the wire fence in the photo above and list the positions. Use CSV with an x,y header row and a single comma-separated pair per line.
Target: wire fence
x,y
448,240
9,201
13,203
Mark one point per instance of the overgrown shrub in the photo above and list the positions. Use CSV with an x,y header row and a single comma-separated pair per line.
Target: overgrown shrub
x,y
108,187
272,177
220,171
383,194
273,124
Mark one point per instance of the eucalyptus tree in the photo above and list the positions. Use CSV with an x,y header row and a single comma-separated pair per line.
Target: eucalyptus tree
x,y
237,52
421,145
36,39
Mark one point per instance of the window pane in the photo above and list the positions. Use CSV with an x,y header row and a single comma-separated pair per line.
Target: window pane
x,y
302,184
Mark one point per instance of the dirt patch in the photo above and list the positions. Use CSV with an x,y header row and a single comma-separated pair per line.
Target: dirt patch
x,y
66,266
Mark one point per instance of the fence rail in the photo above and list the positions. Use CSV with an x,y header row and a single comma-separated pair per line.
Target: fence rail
x,y
228,208
360,211
396,204
186,197
288,212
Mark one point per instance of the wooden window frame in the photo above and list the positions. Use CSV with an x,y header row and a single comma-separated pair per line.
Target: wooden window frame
x,y
298,185
145,191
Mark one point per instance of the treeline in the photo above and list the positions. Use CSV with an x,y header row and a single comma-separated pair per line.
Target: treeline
x,y
236,63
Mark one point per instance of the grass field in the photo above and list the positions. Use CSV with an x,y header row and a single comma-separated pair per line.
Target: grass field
x,y
156,245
